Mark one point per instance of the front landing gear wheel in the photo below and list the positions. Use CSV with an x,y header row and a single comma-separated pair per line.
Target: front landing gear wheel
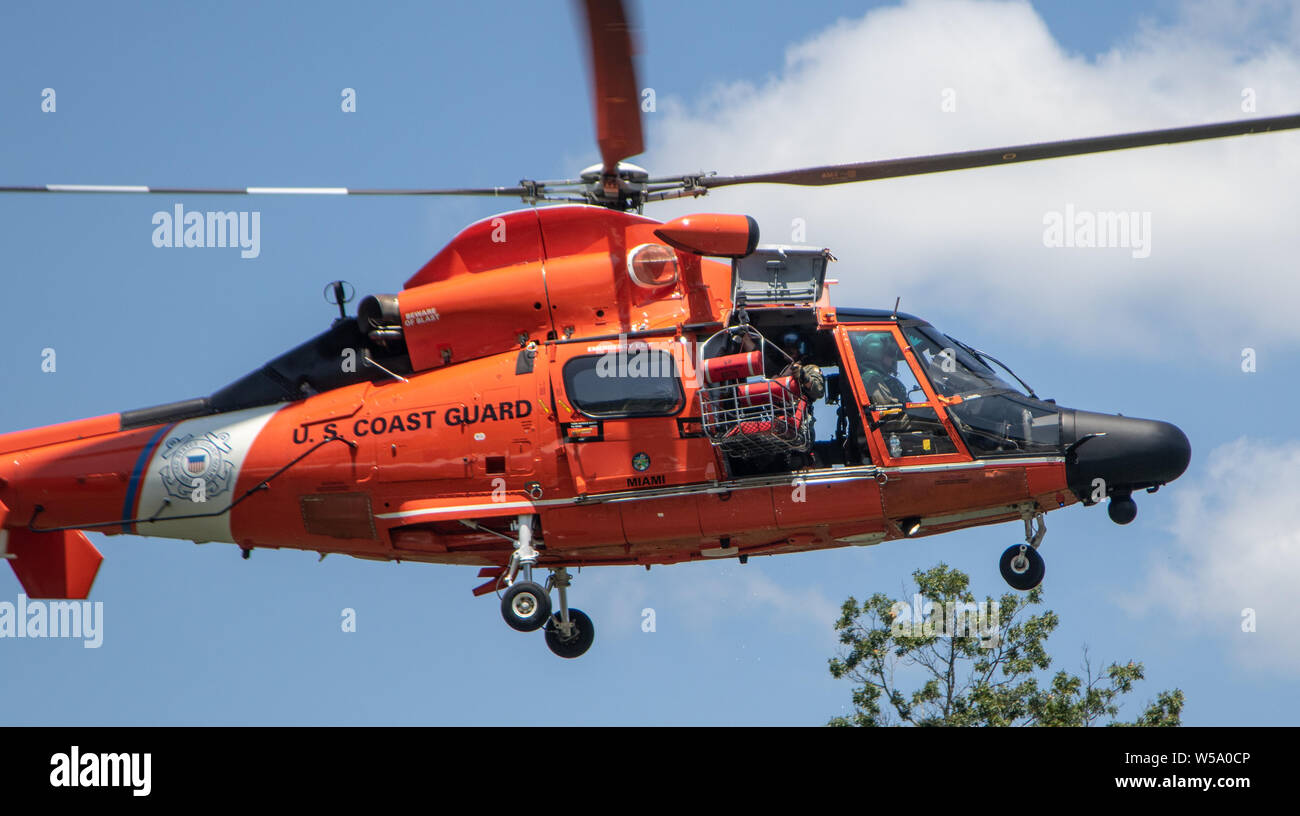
x,y
525,606
1022,567
580,638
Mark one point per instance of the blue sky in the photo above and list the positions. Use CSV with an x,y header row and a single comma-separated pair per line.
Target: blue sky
x,y
488,93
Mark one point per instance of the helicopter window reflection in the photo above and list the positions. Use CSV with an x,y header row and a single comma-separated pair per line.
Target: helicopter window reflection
x,y
631,383
1007,424
951,367
993,416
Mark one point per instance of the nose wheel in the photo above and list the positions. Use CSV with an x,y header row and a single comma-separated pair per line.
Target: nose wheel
x,y
1021,565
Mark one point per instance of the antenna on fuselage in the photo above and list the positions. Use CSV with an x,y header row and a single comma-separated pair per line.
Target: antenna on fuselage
x,y
336,292
370,361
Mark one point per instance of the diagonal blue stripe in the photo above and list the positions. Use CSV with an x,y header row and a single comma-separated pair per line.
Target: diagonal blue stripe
x,y
133,487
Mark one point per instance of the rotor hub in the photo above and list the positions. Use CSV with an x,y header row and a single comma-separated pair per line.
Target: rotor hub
x,y
624,190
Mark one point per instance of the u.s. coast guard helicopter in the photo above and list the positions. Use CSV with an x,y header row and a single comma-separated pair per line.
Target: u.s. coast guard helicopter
x,y
623,397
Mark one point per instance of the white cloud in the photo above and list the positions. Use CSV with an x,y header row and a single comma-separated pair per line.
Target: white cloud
x,y
1237,547
1223,213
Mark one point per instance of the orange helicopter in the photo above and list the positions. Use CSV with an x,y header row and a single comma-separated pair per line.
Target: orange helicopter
x,y
580,385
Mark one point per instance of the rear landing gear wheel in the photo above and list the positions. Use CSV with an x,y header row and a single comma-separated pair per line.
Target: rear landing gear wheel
x,y
1022,567
525,606
580,637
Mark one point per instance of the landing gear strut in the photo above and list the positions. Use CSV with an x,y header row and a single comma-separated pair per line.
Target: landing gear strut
x,y
1022,567
569,632
526,605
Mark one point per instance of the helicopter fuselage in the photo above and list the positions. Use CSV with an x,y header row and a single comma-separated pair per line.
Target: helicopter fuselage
x,y
547,369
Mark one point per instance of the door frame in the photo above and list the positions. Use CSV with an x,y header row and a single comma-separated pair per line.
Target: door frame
x,y
871,417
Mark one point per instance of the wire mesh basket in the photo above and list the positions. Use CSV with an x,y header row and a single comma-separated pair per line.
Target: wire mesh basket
x,y
753,418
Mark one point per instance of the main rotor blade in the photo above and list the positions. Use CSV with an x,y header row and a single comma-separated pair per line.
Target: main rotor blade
x,y
131,188
617,95
920,165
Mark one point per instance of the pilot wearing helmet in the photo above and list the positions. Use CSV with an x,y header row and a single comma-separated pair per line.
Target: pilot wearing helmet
x,y
878,356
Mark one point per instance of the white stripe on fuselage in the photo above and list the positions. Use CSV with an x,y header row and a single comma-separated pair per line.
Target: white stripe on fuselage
x,y
210,450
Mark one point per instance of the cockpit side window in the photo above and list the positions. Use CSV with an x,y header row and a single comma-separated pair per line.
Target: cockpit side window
x,y
879,357
909,423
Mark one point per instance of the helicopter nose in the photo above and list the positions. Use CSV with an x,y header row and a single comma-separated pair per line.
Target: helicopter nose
x,y
1126,453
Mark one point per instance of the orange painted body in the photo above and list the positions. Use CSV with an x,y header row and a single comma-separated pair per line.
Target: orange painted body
x,y
485,429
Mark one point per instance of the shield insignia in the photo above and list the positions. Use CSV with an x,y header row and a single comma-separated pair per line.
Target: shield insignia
x,y
187,459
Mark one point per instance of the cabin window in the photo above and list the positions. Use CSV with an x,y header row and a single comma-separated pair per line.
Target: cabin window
x,y
626,383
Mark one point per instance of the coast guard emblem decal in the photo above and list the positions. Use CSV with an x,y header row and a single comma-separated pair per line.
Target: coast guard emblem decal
x,y
189,460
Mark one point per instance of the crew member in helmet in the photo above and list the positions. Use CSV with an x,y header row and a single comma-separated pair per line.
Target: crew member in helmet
x,y
878,356
812,382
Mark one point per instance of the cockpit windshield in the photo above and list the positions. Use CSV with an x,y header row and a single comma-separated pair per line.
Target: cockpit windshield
x,y
994,417
955,369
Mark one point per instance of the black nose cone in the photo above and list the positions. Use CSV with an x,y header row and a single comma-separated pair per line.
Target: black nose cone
x,y
1127,453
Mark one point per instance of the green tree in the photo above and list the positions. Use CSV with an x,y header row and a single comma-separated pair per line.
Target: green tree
x,y
974,670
